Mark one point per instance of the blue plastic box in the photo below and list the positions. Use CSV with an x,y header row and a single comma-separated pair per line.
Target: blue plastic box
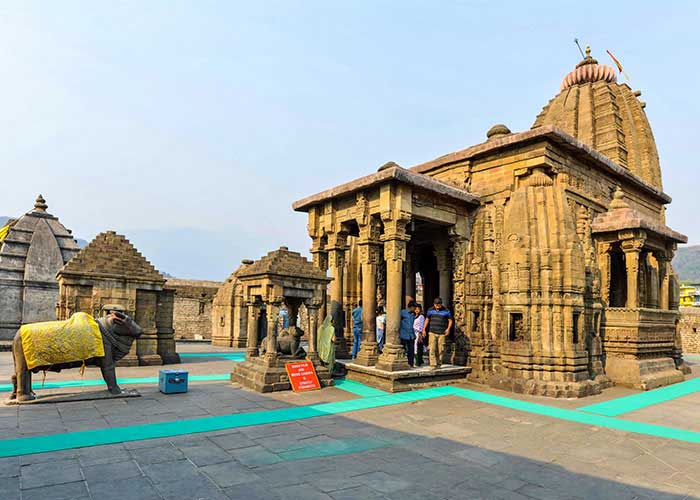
x,y
172,381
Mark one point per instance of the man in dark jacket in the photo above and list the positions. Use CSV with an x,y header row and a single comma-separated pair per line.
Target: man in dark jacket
x,y
438,322
406,331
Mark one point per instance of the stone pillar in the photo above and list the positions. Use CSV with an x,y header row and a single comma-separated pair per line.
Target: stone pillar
x,y
442,255
664,279
369,257
393,357
632,248
252,326
273,310
320,260
336,260
653,286
311,329
603,251
409,279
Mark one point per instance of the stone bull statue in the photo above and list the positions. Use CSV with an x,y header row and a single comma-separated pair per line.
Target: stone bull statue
x,y
118,331
288,342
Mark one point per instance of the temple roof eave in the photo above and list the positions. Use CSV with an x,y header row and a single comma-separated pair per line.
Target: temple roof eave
x,y
399,174
89,276
273,276
626,219
554,134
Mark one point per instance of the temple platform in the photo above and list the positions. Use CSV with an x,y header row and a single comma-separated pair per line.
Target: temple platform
x,y
404,380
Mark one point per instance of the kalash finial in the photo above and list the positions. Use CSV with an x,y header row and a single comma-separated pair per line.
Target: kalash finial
x,y
40,204
587,59
618,200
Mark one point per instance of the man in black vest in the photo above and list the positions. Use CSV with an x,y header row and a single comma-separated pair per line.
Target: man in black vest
x,y
438,322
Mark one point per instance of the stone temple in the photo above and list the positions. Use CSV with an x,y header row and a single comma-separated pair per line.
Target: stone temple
x,y
34,247
549,246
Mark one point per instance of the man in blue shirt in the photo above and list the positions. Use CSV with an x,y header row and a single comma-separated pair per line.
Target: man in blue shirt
x,y
356,329
283,320
438,322
406,331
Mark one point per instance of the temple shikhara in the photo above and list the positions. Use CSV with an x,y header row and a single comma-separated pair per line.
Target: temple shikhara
x,y
549,246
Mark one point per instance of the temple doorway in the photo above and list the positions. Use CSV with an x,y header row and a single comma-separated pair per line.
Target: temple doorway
x,y
430,252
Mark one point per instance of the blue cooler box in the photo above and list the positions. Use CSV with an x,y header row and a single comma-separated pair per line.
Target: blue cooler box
x,y
172,381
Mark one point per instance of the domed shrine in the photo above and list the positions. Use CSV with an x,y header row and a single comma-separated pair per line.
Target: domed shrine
x,y
548,246
32,250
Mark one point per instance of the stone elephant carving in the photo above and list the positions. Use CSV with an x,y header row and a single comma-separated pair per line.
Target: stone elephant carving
x,y
288,342
118,332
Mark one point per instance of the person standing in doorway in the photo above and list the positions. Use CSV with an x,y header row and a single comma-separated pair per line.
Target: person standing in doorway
x,y
283,319
381,327
438,324
356,329
418,333
406,334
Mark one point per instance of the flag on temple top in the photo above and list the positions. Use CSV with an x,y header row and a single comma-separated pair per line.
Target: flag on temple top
x,y
618,64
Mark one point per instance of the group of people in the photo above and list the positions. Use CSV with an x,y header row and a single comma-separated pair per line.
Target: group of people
x,y
418,332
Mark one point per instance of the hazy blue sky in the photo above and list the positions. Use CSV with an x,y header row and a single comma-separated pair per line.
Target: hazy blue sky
x,y
192,126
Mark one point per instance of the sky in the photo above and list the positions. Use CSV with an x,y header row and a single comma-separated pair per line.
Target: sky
x,y
191,127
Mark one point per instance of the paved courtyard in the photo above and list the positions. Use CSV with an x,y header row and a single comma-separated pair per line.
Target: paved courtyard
x,y
346,442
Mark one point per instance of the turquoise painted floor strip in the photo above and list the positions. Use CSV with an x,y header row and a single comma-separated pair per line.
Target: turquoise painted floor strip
x,y
346,385
626,404
232,356
580,417
357,388
70,440
122,381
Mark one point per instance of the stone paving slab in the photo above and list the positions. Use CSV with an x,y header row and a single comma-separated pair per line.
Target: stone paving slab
x,y
444,448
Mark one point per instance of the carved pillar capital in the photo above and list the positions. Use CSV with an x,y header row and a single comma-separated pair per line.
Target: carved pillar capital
x,y
395,225
337,240
275,300
395,250
632,245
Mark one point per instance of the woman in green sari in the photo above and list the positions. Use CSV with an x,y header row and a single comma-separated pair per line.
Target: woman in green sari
x,y
326,343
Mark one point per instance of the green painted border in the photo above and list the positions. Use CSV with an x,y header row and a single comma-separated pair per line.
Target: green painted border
x,y
357,388
626,404
227,355
71,440
123,381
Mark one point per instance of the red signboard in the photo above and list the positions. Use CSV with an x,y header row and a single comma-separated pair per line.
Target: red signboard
x,y
302,376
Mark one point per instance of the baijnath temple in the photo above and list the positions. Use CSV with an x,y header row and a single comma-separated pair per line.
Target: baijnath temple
x,y
549,246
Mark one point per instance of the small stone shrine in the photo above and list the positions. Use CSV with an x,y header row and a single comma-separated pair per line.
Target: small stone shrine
x,y
279,278
229,316
32,250
109,271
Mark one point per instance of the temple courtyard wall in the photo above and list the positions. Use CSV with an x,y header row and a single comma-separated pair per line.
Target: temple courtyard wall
x,y
192,315
689,327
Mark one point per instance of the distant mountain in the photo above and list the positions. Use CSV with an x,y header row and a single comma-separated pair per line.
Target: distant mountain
x,y
687,263
3,220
